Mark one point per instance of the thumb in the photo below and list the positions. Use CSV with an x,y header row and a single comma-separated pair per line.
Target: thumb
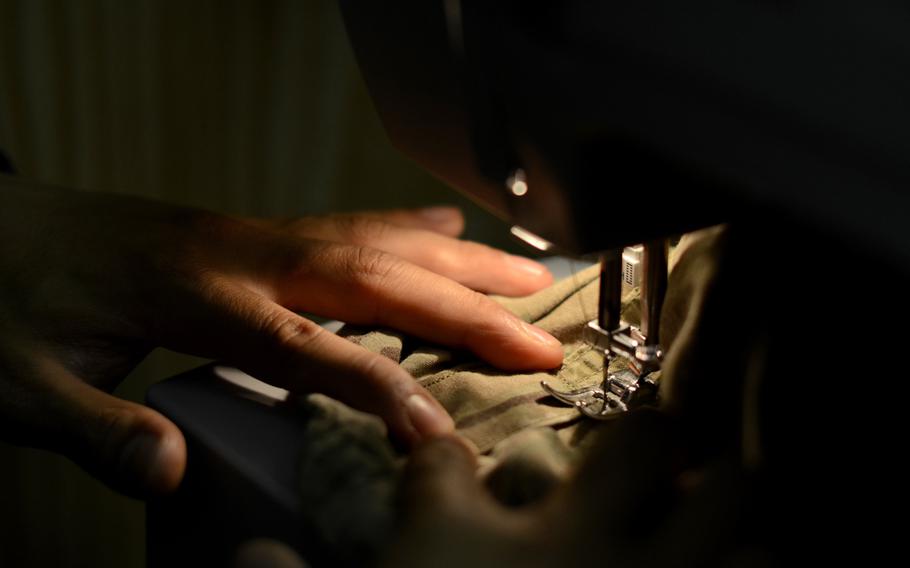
x,y
441,477
132,448
629,475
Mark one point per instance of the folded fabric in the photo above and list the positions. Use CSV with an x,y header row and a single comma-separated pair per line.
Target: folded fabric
x,y
487,404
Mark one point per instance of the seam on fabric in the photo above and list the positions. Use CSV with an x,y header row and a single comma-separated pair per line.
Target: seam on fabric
x,y
436,380
498,409
547,421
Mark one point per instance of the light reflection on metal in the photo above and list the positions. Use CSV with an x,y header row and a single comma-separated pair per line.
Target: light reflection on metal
x,y
517,183
530,238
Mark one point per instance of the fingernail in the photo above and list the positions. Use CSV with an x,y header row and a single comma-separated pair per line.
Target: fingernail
x,y
526,265
540,335
439,214
427,418
141,459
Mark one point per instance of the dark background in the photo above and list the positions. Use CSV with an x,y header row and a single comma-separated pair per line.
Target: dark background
x,y
251,107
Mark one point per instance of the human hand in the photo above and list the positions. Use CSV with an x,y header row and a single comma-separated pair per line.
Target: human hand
x,y
92,282
634,502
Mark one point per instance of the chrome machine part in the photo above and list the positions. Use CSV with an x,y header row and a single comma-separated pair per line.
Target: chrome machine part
x,y
637,384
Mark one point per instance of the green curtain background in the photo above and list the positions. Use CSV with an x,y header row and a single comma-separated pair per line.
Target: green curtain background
x,y
241,106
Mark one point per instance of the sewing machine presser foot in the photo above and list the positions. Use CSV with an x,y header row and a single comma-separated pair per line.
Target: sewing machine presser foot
x,y
619,393
636,383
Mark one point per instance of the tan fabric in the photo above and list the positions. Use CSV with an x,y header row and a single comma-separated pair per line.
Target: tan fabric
x,y
348,475
487,404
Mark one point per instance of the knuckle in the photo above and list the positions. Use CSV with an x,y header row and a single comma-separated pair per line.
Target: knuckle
x,y
114,425
369,267
300,258
288,334
111,423
284,345
496,319
475,302
371,368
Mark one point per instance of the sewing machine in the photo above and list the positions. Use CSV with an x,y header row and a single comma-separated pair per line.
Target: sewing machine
x,y
592,126
587,127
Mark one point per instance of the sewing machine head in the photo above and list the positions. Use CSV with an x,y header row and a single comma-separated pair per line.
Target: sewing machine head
x,y
592,126
597,125
523,114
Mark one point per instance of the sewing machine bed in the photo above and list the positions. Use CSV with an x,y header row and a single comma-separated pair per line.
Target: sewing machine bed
x,y
241,478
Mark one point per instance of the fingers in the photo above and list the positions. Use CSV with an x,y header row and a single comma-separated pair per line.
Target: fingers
x,y
364,286
441,475
631,496
130,447
447,518
629,475
474,265
444,220
278,346
417,237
